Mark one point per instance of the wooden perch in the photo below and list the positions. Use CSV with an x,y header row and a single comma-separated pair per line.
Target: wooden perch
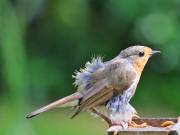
x,y
154,127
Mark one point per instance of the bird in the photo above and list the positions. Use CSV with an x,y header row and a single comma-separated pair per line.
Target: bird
x,y
111,84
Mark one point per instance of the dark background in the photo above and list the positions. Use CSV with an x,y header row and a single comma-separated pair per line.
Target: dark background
x,y
43,42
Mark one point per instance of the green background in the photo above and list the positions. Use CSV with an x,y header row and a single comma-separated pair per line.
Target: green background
x,y
43,42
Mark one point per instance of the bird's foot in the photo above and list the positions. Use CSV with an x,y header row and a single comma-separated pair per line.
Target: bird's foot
x,y
132,124
167,124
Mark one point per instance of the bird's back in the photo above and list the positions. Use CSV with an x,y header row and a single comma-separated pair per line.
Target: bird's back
x,y
100,84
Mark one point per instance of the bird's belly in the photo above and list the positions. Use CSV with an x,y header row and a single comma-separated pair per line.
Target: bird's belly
x,y
125,113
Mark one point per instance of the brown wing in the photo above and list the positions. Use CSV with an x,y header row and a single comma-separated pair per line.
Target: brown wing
x,y
114,78
95,96
99,93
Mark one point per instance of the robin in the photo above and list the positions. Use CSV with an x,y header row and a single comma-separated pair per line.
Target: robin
x,y
111,84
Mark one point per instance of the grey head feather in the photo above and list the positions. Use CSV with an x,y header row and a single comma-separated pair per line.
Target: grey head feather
x,y
83,78
132,50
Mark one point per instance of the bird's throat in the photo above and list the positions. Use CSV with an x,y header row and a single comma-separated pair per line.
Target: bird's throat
x,y
139,66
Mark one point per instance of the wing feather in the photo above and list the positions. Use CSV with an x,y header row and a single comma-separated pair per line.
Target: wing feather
x,y
97,95
105,81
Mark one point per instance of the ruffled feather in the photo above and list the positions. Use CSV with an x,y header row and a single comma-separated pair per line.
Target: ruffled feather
x,y
83,78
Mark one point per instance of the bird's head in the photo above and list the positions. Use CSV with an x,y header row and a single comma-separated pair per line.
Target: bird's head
x,y
138,56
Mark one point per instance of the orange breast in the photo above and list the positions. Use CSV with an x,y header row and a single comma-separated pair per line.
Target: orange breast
x,y
139,65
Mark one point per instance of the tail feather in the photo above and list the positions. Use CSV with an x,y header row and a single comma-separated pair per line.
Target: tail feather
x,y
69,100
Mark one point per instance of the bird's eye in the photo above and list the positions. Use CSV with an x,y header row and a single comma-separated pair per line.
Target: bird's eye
x,y
141,54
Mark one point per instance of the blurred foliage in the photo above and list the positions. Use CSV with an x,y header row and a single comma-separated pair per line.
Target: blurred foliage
x,y
43,42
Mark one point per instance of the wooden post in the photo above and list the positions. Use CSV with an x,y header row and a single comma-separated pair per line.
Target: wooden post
x,y
154,127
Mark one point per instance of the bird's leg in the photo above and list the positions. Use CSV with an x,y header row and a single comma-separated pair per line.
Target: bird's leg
x,y
104,117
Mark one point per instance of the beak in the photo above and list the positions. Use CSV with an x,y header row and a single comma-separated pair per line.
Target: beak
x,y
154,52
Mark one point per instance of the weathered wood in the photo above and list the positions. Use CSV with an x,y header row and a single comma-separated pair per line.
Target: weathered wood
x,y
154,127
